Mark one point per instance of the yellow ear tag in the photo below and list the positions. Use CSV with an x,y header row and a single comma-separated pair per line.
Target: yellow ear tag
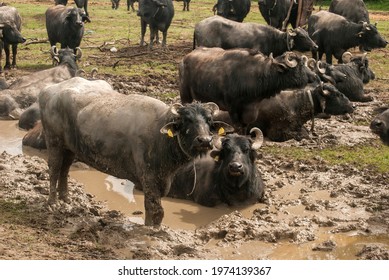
x,y
216,158
170,133
221,131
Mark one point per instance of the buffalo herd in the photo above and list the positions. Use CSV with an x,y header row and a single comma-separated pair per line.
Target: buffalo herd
x,y
243,82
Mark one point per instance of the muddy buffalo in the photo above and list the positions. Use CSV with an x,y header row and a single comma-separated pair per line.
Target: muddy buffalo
x,y
235,78
380,124
132,137
226,175
220,32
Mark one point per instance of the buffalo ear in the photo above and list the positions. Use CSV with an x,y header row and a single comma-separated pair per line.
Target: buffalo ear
x,y
215,154
222,128
169,129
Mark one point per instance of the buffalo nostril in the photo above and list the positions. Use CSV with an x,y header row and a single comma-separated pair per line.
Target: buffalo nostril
x,y
204,141
235,167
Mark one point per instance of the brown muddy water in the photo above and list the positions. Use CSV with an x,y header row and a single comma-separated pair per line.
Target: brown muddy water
x,y
180,214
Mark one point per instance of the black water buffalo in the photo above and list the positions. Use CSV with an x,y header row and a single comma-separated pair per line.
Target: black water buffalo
x,y
10,27
115,4
235,10
220,32
24,91
79,3
380,124
326,72
357,72
130,3
158,14
275,12
65,25
89,120
353,10
226,175
282,117
235,78
334,35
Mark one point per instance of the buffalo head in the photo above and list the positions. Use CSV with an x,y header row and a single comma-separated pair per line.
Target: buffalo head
x,y
193,127
380,124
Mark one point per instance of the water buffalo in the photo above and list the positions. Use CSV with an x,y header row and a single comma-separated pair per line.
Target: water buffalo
x,y
24,91
326,72
89,120
10,27
235,78
220,32
334,35
158,14
130,3
226,175
235,10
275,12
65,25
115,4
353,10
357,72
35,137
79,3
380,124
282,117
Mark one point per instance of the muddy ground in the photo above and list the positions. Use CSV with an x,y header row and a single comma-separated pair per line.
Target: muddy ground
x,y
309,205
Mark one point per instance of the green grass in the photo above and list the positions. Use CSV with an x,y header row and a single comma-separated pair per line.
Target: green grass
x,y
362,156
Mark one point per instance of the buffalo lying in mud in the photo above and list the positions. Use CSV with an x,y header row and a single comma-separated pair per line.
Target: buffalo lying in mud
x,y
226,175
380,124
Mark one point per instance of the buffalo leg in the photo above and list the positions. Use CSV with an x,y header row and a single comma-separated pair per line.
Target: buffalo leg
x,y
153,34
143,26
55,166
153,207
67,161
14,52
7,56
164,35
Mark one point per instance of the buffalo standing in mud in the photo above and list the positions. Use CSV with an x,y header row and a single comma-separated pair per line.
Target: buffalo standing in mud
x,y
158,14
235,78
226,175
65,25
220,32
10,27
380,124
235,10
89,120
334,35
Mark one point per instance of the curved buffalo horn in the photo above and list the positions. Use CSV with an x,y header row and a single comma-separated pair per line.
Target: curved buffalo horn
x,y
53,51
80,73
364,56
305,60
212,107
290,62
78,53
174,108
257,139
94,72
346,57
311,63
321,69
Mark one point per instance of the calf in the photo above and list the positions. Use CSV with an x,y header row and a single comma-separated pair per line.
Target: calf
x,y
334,35
235,78
380,124
158,14
226,175
235,10
220,32
89,120
10,27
